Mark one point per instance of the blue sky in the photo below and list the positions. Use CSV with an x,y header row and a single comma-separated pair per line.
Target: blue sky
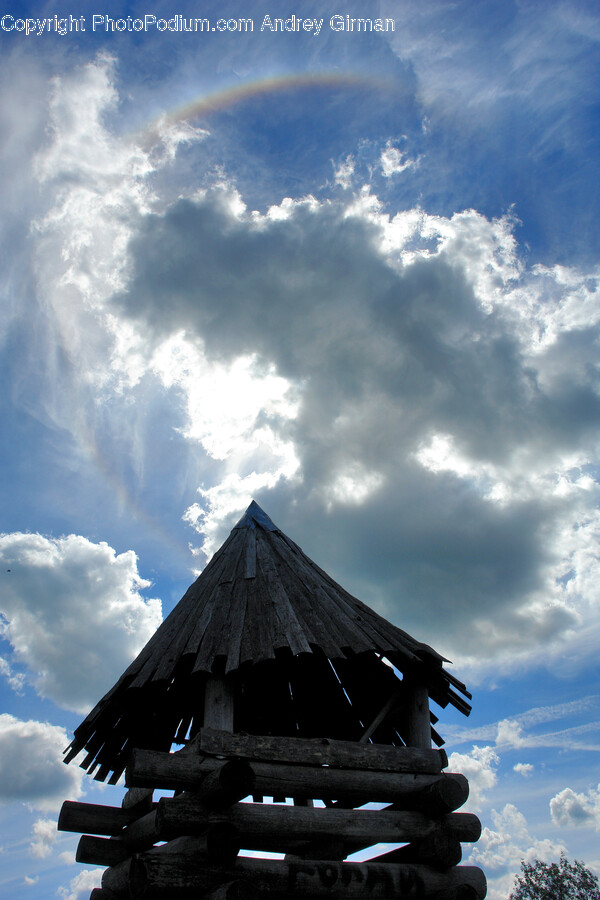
x,y
351,275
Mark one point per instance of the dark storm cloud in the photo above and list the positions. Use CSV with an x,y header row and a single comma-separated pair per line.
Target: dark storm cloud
x,y
385,356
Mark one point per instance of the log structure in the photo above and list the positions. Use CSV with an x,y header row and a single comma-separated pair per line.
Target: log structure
x,y
287,717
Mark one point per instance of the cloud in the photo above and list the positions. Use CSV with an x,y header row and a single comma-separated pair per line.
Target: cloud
x,y
44,836
479,766
417,389
394,161
16,680
524,769
570,809
31,767
500,849
509,734
74,613
523,729
538,715
80,886
401,387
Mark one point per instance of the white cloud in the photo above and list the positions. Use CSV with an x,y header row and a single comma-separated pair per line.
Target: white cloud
x,y
81,885
74,613
570,809
31,766
344,173
500,849
524,769
16,680
509,734
480,768
44,835
588,706
394,161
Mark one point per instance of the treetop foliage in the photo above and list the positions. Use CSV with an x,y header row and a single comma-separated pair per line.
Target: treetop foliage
x,y
555,881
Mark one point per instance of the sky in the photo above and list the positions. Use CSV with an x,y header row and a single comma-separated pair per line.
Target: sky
x,y
351,274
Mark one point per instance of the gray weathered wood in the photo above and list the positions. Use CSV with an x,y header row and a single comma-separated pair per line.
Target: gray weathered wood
x,y
349,754
256,820
142,833
418,722
440,850
218,703
171,770
234,890
258,598
219,843
227,784
92,817
448,793
98,851
139,800
118,878
383,713
179,874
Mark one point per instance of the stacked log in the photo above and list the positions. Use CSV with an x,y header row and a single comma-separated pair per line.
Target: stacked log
x,y
205,825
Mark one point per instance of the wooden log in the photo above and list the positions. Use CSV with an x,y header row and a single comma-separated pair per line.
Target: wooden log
x,y
440,850
255,821
233,890
226,785
210,777
383,713
92,817
118,878
139,800
321,751
142,834
98,851
176,875
448,793
418,722
218,703
220,843
170,770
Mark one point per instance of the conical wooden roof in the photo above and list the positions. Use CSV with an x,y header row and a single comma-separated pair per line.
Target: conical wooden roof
x,y
259,605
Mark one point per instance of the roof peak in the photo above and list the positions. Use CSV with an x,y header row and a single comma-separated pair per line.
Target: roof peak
x,y
254,516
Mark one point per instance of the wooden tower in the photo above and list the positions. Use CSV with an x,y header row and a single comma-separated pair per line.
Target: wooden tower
x,y
275,683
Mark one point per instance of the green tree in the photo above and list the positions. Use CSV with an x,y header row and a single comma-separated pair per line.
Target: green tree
x,y
555,881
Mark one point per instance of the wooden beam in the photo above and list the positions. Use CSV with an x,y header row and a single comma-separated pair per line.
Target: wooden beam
x,y
92,817
448,793
218,703
180,874
381,715
180,772
440,850
321,751
230,782
255,821
98,851
234,890
138,800
418,722
219,843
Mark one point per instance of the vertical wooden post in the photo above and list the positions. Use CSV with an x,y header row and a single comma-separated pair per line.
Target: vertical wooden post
x,y
418,731
218,703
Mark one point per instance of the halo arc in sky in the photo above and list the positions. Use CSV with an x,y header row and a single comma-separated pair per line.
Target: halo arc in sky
x,y
208,104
